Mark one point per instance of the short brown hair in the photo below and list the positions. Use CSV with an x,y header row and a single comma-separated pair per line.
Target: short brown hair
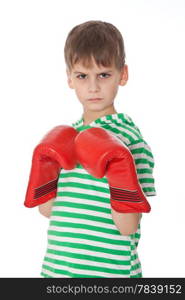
x,y
97,39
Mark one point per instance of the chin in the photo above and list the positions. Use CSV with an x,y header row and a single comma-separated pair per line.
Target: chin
x,y
96,109
96,106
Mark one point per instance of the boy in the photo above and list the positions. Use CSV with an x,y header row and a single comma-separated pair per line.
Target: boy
x,y
86,236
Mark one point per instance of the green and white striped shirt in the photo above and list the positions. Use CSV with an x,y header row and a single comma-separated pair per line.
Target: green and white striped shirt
x,y
83,240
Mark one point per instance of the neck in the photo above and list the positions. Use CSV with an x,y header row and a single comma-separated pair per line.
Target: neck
x,y
90,116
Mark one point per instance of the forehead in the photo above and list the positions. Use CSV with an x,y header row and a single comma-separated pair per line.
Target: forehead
x,y
91,66
77,68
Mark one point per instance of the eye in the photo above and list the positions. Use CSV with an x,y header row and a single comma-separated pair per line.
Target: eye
x,y
81,76
104,75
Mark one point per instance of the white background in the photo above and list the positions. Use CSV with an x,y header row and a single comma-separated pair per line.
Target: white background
x,y
34,97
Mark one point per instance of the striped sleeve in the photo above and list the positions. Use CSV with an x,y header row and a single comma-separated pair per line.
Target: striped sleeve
x,y
144,162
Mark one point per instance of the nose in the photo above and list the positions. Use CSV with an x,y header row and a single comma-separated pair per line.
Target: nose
x,y
93,85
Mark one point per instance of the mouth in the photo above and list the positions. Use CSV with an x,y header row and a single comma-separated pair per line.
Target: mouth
x,y
95,99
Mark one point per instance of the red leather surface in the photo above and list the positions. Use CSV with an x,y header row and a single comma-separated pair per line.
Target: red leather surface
x,y
103,154
55,151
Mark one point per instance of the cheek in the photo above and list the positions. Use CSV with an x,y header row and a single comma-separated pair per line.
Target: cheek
x,y
79,92
113,88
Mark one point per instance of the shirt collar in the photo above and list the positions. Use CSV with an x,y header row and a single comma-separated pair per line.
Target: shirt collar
x,y
108,119
104,119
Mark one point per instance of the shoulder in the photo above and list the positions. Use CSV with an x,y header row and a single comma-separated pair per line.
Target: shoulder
x,y
122,126
78,123
129,133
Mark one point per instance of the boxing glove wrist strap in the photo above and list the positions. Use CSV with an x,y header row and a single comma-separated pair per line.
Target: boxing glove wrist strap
x,y
45,189
119,194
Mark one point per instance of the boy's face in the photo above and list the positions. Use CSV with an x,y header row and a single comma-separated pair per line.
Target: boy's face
x,y
96,87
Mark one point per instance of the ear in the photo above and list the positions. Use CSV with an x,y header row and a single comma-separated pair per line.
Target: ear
x,y
124,76
69,80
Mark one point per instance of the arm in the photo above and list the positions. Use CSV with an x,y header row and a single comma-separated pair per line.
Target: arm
x,y
126,223
45,208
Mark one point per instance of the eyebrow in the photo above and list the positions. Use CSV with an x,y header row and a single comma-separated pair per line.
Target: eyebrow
x,y
105,71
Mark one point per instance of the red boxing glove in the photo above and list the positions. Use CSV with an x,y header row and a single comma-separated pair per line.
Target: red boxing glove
x,y
55,151
103,154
